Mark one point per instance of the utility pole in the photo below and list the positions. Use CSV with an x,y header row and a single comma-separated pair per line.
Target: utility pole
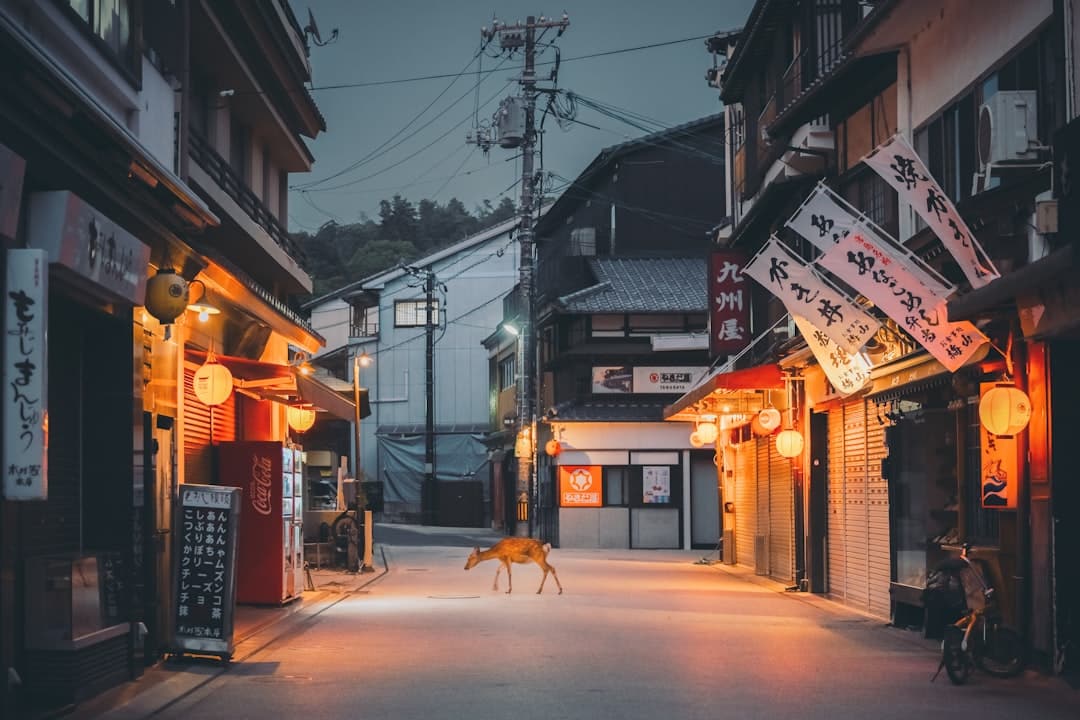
x,y
511,135
430,489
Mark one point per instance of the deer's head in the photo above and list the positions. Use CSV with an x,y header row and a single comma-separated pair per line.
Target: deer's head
x,y
474,557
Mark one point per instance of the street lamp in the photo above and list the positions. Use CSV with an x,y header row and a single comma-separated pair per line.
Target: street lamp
x,y
361,360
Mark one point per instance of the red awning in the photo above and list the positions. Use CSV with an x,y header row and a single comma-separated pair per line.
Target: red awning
x,y
244,368
726,384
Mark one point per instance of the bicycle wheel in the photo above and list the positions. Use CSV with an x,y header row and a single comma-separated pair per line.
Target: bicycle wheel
x,y
1000,651
953,656
343,527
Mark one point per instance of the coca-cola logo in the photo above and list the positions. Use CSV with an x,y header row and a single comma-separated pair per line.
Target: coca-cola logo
x,y
261,489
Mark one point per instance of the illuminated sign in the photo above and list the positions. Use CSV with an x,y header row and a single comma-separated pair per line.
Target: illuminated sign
x,y
581,486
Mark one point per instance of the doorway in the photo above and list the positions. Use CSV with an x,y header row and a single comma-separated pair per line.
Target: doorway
x,y
704,501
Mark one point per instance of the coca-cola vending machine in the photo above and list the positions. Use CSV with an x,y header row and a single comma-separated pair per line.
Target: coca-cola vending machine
x,y
270,567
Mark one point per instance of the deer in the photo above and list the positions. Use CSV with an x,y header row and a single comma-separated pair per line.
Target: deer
x,y
515,550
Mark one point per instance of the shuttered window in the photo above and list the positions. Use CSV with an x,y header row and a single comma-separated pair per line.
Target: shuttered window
x,y
204,427
745,502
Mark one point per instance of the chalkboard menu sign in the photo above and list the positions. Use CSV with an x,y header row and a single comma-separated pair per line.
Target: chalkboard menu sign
x,y
204,569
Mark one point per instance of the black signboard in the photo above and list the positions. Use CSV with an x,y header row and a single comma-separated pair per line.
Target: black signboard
x,y
204,569
1067,178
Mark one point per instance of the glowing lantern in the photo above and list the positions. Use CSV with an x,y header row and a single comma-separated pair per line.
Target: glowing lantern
x,y
213,382
300,418
789,443
695,439
1005,410
769,419
553,447
166,295
707,429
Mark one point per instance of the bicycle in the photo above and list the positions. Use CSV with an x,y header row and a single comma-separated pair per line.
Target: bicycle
x,y
346,533
979,638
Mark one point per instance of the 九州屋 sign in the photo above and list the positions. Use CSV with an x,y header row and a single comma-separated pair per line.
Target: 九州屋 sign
x,y
729,303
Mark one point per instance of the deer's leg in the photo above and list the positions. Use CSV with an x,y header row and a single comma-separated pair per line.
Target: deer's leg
x,y
553,574
509,578
497,571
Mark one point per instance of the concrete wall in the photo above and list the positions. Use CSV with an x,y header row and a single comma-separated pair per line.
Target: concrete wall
x,y
331,320
960,42
594,527
654,527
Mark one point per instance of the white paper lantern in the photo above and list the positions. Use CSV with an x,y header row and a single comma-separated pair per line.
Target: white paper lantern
x,y
695,440
213,383
708,432
769,419
300,418
1005,410
789,443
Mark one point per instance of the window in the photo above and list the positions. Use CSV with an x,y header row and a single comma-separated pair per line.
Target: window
x,y
110,22
616,486
645,325
238,150
507,372
583,241
364,321
413,313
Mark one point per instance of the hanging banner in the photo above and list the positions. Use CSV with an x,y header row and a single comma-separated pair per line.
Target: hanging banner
x,y
25,390
804,292
729,304
847,372
825,217
998,464
875,273
898,163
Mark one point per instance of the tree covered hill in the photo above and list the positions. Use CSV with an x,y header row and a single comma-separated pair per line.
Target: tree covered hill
x,y
340,254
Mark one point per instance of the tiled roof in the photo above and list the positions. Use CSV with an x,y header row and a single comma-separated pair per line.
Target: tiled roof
x,y
642,285
628,410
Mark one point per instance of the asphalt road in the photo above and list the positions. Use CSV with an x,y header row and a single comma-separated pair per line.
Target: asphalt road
x,y
644,634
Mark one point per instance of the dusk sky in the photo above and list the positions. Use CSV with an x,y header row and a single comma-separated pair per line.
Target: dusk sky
x,y
390,41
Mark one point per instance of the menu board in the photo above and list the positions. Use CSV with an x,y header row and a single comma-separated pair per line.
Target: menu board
x,y
204,575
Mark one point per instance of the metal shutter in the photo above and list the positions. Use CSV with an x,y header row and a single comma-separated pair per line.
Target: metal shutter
x,y
877,498
745,503
204,427
761,539
781,515
859,567
836,516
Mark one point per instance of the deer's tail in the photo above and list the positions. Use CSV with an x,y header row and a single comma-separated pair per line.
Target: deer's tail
x,y
547,548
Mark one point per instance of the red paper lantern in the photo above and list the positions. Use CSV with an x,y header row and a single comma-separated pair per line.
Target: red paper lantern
x,y
553,447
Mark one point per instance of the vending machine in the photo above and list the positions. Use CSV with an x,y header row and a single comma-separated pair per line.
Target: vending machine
x,y
270,568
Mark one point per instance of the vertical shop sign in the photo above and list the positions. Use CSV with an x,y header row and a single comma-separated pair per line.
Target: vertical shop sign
x,y
900,166
847,372
25,390
204,569
581,486
999,466
729,303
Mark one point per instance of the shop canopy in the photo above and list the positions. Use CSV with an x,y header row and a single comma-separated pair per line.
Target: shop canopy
x,y
737,391
287,385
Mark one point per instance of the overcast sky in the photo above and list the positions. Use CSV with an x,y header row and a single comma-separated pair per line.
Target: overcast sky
x,y
381,40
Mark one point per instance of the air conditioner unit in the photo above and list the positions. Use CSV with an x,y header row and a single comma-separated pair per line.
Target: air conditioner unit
x,y
1008,128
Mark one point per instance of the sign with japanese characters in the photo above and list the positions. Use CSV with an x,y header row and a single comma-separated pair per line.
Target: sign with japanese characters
x,y
825,217
898,163
729,303
87,241
998,463
655,484
847,372
25,391
876,274
204,573
804,292
581,486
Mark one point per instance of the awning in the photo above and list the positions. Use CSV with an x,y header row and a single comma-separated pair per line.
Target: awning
x,y
329,394
914,373
741,385
1057,268
284,384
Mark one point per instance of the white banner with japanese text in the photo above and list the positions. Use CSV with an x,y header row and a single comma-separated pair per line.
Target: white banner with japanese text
x,y
825,217
25,391
804,292
847,372
876,274
898,163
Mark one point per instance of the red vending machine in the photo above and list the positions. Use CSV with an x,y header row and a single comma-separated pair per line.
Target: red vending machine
x,y
267,571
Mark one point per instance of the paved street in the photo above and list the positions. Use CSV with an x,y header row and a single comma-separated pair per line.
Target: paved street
x,y
645,634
